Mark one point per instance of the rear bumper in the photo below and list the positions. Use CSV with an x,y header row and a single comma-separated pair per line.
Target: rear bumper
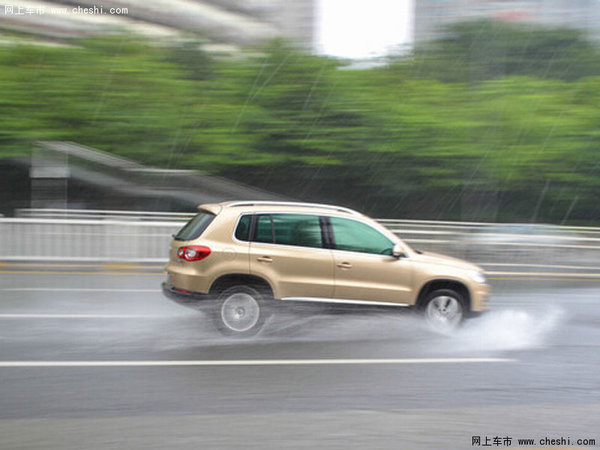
x,y
187,276
182,296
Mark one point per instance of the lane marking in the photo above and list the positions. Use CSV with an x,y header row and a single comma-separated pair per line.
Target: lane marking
x,y
24,289
242,362
79,316
159,267
85,265
546,274
565,278
56,272
546,266
492,275
121,266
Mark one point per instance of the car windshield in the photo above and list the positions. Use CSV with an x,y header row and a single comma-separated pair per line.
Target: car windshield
x,y
195,227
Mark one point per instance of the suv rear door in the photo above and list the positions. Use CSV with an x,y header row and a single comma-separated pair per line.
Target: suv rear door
x,y
288,250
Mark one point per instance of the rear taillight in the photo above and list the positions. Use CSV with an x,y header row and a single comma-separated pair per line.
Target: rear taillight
x,y
193,252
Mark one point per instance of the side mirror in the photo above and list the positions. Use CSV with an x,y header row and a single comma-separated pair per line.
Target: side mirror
x,y
398,251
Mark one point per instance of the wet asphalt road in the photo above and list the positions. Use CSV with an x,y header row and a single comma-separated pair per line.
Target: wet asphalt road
x,y
528,369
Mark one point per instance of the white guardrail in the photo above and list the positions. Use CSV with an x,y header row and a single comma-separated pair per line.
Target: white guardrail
x,y
85,240
132,236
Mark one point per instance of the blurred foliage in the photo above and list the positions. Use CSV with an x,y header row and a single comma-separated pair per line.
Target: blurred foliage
x,y
484,49
495,122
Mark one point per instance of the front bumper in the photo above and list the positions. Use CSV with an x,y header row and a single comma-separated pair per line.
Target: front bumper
x,y
480,300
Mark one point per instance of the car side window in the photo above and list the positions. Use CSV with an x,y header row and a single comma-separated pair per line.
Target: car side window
x,y
264,229
297,229
303,230
355,236
242,231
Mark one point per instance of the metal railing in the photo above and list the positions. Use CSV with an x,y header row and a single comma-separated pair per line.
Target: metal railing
x,y
103,214
85,240
488,243
95,235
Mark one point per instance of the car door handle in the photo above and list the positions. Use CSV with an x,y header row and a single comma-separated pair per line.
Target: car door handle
x,y
265,259
344,265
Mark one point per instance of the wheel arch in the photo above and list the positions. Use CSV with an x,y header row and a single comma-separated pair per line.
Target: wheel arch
x,y
239,278
434,285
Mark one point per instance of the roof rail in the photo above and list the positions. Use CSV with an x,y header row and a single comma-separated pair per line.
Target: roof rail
x,y
301,204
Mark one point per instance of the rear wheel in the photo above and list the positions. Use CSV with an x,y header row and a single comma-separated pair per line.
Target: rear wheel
x,y
240,311
444,309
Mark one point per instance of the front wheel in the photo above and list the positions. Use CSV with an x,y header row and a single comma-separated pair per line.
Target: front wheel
x,y
240,311
444,309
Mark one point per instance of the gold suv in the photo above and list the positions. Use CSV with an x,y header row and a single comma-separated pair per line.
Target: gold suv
x,y
243,260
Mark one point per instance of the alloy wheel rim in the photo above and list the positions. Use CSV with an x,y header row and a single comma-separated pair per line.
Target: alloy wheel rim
x,y
240,312
444,311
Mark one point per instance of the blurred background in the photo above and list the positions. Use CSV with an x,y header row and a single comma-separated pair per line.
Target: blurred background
x,y
424,109
468,127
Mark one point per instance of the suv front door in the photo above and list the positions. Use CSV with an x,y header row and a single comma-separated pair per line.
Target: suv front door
x,y
364,266
288,250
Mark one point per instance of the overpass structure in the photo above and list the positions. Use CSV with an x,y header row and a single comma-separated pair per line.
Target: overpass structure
x,y
69,175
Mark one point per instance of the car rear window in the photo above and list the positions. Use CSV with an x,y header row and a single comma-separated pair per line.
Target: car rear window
x,y
195,227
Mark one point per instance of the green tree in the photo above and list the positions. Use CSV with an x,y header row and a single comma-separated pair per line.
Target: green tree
x,y
484,49
413,139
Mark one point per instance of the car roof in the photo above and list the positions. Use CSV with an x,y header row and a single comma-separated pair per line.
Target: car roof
x,y
258,206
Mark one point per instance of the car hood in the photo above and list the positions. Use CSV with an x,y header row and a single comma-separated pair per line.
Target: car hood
x,y
436,258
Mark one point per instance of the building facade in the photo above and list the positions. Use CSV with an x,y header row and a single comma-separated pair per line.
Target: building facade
x,y
432,17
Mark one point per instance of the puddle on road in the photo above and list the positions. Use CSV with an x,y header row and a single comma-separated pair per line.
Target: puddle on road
x,y
373,326
496,331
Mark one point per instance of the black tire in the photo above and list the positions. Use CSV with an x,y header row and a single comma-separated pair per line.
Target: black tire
x,y
240,310
444,309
